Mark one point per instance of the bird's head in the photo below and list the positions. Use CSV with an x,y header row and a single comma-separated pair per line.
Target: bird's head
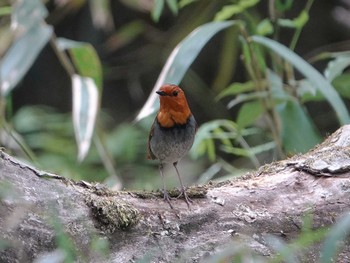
x,y
173,106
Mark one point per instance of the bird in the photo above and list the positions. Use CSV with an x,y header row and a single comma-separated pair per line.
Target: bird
x,y
172,133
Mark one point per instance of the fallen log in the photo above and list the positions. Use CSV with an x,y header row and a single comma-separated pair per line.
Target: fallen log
x,y
45,216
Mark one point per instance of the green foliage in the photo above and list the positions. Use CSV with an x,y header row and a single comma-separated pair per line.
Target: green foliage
x,y
312,75
293,118
63,241
27,16
158,6
181,59
50,135
32,34
296,250
270,105
273,95
335,239
84,59
233,9
298,22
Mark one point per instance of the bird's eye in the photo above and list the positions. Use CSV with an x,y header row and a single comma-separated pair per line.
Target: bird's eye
x,y
175,93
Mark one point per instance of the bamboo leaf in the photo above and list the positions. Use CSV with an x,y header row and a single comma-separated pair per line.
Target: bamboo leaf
x,y
21,56
27,14
342,84
336,67
85,106
180,60
249,113
298,22
337,234
315,77
230,10
298,132
247,97
172,4
157,9
84,58
265,27
236,88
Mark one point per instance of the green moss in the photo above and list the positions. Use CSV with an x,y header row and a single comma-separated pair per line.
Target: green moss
x,y
112,214
192,192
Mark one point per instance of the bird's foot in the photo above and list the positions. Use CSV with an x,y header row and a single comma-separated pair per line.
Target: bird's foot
x,y
185,196
167,198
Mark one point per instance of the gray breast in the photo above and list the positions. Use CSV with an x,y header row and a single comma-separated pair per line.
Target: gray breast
x,y
171,144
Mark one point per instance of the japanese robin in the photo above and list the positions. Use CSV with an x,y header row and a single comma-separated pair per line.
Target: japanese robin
x,y
172,133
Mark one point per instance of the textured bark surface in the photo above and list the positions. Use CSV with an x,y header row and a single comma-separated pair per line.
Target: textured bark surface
x,y
40,210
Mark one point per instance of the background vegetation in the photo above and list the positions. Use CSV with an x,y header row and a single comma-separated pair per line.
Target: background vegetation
x,y
73,72
265,80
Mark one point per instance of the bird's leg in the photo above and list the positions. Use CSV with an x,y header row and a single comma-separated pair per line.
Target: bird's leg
x,y
183,190
166,196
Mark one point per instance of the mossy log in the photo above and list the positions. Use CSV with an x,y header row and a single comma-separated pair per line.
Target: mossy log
x,y
45,216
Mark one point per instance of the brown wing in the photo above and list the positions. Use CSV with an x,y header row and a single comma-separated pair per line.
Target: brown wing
x,y
151,155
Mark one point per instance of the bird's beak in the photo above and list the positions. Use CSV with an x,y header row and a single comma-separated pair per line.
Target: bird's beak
x,y
161,93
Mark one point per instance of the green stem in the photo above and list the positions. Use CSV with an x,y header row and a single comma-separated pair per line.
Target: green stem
x,y
62,56
297,32
106,157
275,59
271,115
20,142
227,61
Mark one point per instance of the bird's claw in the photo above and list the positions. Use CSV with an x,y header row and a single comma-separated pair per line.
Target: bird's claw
x,y
187,199
167,198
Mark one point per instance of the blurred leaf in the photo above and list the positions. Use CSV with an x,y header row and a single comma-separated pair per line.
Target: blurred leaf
x,y
125,34
101,246
246,97
6,39
101,13
342,84
204,142
30,119
308,92
21,55
249,113
336,67
297,130
124,143
283,5
172,4
230,10
297,22
264,27
180,60
281,247
158,6
260,57
252,151
62,239
54,256
290,252
278,93
84,58
5,10
236,88
184,3
28,14
312,75
85,107
337,234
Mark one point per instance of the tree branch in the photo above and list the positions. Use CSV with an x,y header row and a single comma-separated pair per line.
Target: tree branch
x,y
44,215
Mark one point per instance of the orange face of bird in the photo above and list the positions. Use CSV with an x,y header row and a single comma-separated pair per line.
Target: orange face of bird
x,y
173,106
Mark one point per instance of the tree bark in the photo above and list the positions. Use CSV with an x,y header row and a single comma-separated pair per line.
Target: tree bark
x,y
45,217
